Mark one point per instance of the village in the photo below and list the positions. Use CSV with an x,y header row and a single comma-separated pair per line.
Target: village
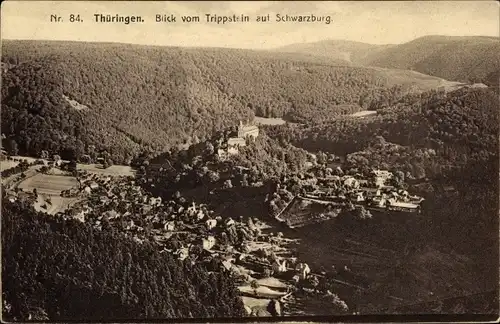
x,y
333,189
271,278
267,271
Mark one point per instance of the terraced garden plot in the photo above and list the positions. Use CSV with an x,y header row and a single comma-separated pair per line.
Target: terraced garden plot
x,y
302,212
49,184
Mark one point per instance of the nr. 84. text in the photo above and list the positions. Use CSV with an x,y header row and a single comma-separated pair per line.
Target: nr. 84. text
x,y
71,18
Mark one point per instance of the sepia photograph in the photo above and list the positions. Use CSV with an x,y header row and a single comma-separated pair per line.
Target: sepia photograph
x,y
250,161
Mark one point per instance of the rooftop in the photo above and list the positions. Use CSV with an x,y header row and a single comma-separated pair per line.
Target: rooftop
x,y
236,141
403,204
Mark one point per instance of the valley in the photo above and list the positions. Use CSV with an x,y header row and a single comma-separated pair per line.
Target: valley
x,y
332,179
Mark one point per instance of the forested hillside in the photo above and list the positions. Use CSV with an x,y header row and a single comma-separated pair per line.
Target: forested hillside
x,y
464,59
348,51
76,98
54,269
201,165
458,127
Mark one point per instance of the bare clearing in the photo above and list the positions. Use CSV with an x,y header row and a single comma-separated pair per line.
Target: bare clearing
x,y
75,104
49,184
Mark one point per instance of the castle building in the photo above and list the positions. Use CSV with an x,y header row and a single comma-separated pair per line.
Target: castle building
x,y
247,130
244,131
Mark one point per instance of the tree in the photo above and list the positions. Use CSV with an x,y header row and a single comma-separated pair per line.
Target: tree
x,y
12,147
254,285
44,154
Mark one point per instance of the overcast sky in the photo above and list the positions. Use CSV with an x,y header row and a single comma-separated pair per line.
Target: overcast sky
x,y
373,22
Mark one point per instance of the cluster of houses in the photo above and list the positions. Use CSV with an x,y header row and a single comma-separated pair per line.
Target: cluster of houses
x,y
121,203
371,191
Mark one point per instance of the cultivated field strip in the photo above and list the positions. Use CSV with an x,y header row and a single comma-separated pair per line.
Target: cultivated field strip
x,y
49,184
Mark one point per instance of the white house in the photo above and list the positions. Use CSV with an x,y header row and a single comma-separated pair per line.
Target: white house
x,y
234,143
169,226
278,266
182,253
211,223
208,243
303,270
200,215
351,182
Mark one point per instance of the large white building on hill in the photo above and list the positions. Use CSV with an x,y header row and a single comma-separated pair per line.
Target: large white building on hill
x,y
247,130
244,132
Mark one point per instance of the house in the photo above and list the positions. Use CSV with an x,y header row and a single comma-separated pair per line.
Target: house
x,y
379,201
222,154
373,192
234,143
278,266
211,223
227,265
402,206
208,243
380,177
358,197
200,215
79,214
169,226
351,182
303,270
191,210
94,185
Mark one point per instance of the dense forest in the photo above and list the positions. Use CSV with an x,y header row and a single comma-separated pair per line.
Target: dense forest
x,y
455,128
66,270
72,98
464,59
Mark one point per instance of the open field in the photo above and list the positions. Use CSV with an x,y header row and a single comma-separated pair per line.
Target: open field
x,y
364,113
114,170
420,81
57,204
48,184
7,164
269,121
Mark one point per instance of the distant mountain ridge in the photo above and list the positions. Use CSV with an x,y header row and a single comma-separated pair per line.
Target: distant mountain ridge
x,y
455,58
